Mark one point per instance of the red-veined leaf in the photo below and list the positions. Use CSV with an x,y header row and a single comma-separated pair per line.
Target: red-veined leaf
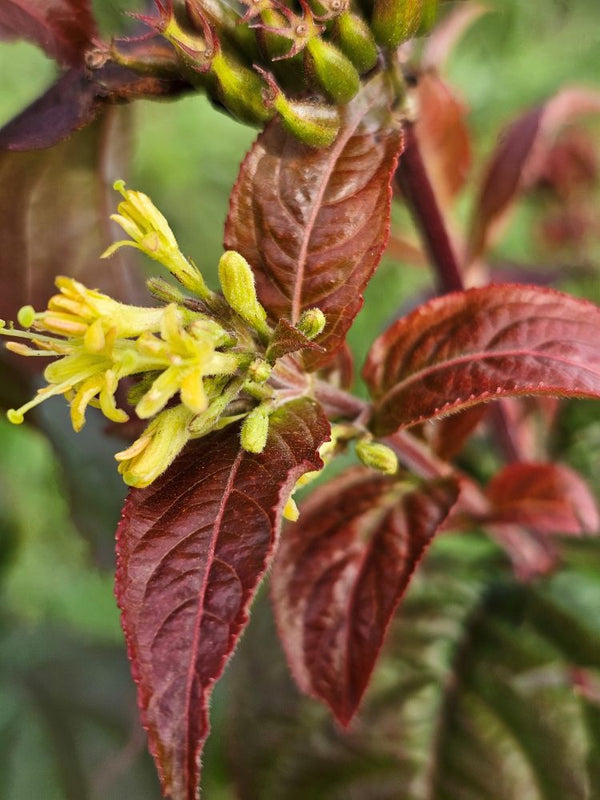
x,y
340,573
62,28
469,347
550,498
519,157
313,223
192,549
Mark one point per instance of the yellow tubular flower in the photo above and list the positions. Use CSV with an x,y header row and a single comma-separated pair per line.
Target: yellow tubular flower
x,y
150,233
188,359
151,454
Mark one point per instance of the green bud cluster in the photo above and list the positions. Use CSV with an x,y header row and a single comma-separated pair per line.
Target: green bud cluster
x,y
285,58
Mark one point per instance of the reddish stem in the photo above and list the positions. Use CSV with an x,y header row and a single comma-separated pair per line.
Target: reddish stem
x,y
417,189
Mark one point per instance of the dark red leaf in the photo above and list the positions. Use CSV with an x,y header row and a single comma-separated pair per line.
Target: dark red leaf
x,y
550,498
342,570
446,436
68,105
287,339
192,549
54,209
443,136
64,29
76,99
313,223
519,157
470,347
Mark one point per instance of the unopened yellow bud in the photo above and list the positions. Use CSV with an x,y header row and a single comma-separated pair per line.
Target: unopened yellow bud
x,y
255,430
237,282
151,454
377,456
311,322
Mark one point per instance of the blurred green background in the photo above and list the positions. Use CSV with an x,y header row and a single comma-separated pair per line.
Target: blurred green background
x,y
68,728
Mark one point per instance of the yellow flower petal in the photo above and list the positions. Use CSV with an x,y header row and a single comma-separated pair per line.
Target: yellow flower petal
x,y
159,394
192,391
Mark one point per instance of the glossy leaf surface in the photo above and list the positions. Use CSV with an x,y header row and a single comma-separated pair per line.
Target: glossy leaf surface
x,y
470,347
485,689
340,573
550,498
62,28
192,549
313,223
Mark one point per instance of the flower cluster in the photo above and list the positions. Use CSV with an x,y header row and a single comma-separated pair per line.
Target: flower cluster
x,y
187,360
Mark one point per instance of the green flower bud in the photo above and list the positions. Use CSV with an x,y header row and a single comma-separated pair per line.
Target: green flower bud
x,y
237,282
225,21
240,89
354,38
194,50
26,316
334,72
429,13
395,21
311,322
377,456
259,371
255,430
313,124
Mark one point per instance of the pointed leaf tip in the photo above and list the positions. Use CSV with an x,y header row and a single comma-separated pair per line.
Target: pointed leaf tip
x,y
192,549
340,573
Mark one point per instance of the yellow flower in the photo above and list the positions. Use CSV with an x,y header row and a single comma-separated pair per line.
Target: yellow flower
x,y
187,356
150,233
151,454
79,311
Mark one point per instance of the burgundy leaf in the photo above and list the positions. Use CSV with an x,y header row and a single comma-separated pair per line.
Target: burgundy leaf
x,y
342,570
550,498
313,223
288,339
64,29
447,436
469,347
519,157
54,209
443,136
192,549
76,99
69,104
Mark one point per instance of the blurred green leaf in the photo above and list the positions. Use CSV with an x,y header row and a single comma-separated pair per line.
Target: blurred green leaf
x,y
474,698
